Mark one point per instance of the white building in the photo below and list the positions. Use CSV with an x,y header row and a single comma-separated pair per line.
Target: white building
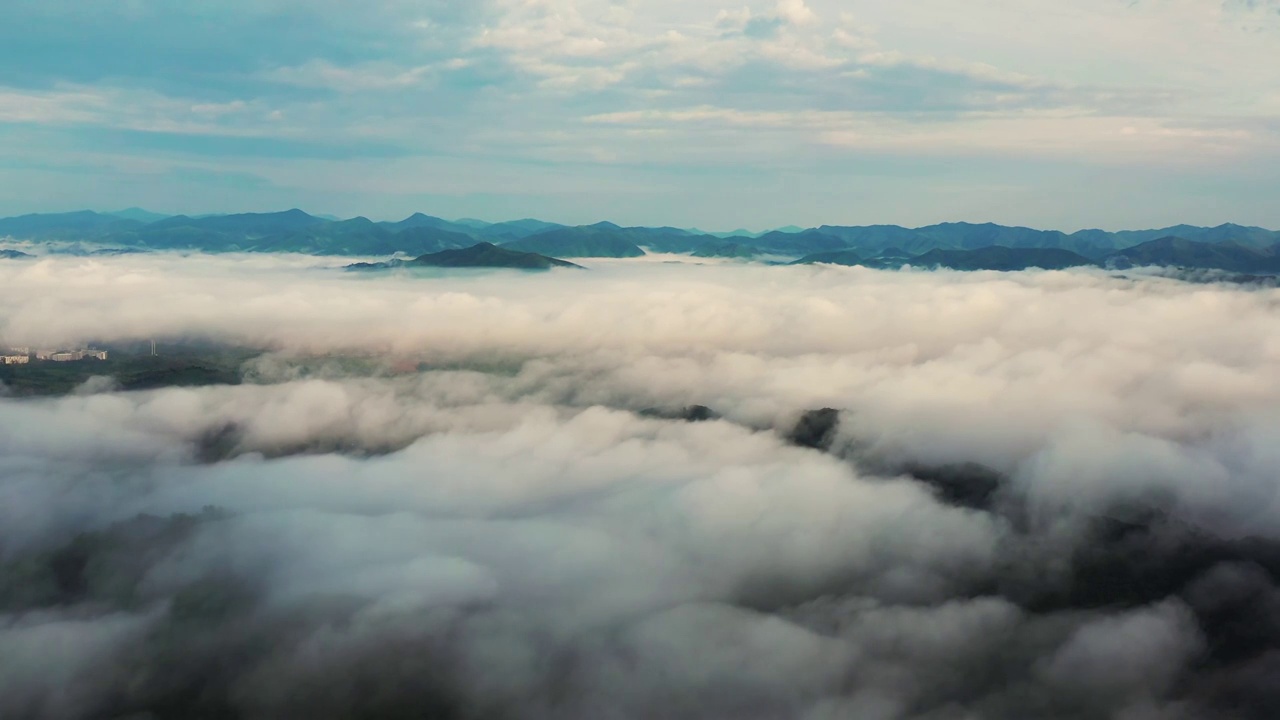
x,y
70,355
14,359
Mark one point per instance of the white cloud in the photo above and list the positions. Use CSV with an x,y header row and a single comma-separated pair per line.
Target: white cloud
x,y
984,83
73,105
129,109
796,12
508,527
1021,133
368,77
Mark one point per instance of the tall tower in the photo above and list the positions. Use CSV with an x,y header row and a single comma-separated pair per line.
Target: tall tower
x,y
153,348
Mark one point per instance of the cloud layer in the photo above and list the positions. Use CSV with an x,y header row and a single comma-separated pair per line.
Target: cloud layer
x,y
694,113
1045,494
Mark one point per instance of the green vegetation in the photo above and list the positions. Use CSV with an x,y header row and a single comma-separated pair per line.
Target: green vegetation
x,y
602,240
727,250
835,257
1179,252
106,567
244,224
173,367
801,243
82,225
481,255
138,214
997,257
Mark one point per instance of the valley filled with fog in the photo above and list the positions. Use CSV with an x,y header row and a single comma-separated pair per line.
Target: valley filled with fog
x,y
654,488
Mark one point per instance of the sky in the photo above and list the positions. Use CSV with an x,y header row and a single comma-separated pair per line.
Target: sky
x,y
709,113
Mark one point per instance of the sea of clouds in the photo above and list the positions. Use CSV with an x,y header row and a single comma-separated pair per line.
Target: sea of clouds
x,y
1035,495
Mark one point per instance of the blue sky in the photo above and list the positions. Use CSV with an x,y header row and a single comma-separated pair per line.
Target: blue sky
x,y
1094,113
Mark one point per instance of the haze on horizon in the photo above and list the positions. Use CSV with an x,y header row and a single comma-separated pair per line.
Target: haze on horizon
x,y
718,115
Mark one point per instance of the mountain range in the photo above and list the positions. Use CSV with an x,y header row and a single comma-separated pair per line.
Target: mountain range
x,y
961,245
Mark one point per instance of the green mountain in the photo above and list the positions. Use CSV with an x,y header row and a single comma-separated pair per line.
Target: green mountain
x,y
361,236
481,255
344,237
891,257
727,250
178,237
138,214
515,229
84,224
477,229
14,255
797,243
673,240
357,236
998,257
600,240
872,239
1254,237
832,257
249,225
1183,253
971,236
995,257
420,220
875,239
420,241
740,232
213,233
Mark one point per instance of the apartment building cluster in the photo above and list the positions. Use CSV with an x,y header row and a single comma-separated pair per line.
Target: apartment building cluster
x,y
22,355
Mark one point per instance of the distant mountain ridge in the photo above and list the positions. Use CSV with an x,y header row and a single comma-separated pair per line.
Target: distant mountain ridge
x,y
80,225
1180,252
137,213
1237,248
1164,252
599,240
1000,257
727,250
991,257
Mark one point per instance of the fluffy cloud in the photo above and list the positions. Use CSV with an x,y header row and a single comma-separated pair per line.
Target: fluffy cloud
x,y
1047,492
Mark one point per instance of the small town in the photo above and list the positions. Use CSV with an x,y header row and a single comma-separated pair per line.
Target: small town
x,y
23,355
